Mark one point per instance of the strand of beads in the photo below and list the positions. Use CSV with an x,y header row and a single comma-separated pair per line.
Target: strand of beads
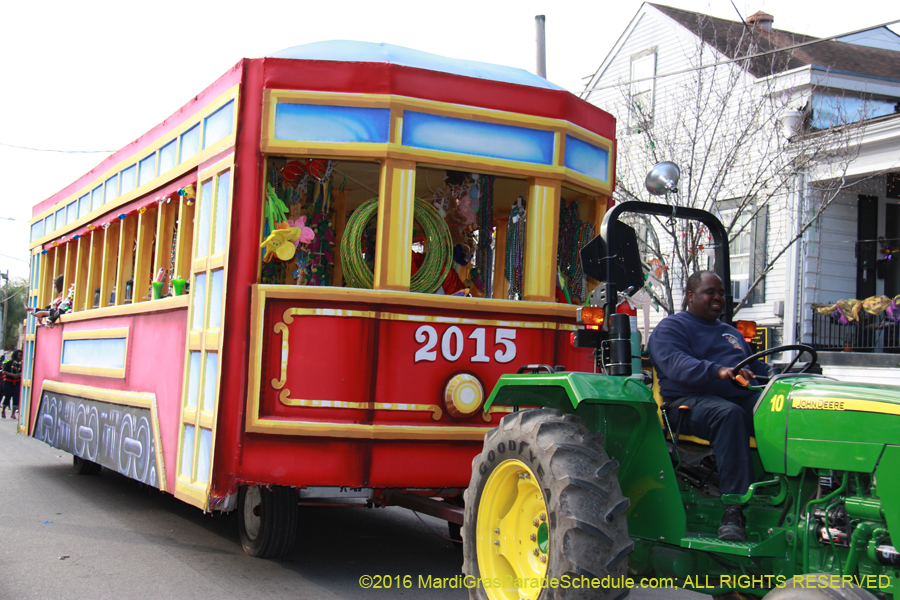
x,y
515,246
484,262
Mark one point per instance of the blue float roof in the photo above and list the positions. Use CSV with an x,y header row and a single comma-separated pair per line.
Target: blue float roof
x,y
350,51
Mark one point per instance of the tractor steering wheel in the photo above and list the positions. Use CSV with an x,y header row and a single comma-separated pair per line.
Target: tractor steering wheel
x,y
803,348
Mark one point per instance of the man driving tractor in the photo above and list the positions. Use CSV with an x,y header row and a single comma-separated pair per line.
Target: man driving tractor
x,y
691,351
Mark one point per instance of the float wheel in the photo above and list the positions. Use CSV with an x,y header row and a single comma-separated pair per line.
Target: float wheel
x,y
543,503
268,520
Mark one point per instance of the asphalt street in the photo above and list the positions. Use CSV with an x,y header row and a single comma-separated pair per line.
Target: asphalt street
x,y
67,536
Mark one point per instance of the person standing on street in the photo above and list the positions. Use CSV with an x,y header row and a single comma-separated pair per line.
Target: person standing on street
x,y
12,382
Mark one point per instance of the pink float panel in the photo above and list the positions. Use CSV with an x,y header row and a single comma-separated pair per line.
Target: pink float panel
x,y
154,364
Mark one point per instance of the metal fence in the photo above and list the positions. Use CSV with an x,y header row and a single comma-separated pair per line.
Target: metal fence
x,y
872,333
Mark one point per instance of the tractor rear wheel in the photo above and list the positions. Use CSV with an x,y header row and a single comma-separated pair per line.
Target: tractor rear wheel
x,y
544,503
268,520
815,586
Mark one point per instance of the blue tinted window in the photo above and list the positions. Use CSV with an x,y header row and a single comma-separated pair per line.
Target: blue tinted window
x,y
37,230
221,212
60,218
147,169
72,213
167,157
84,205
97,197
129,179
190,143
112,188
48,225
218,125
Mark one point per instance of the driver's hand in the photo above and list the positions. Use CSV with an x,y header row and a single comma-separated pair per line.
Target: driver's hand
x,y
726,373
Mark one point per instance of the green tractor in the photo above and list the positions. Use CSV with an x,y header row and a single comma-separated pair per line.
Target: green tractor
x,y
582,493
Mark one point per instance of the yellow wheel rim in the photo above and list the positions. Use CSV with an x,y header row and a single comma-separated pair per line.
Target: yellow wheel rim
x,y
512,533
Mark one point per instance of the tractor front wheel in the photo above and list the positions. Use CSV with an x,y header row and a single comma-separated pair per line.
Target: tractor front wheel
x,y
545,515
268,520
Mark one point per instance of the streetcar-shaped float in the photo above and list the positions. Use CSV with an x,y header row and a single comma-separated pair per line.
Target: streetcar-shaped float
x,y
299,287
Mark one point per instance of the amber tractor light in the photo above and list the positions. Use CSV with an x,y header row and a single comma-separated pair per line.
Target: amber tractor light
x,y
590,316
747,329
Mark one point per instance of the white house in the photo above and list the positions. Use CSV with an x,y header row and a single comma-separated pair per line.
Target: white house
x,y
785,136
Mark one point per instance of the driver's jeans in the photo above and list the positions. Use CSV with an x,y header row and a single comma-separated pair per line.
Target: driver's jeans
x,y
728,425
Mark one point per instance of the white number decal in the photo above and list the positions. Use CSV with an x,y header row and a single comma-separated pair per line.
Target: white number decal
x,y
426,352
453,344
505,337
480,356
453,332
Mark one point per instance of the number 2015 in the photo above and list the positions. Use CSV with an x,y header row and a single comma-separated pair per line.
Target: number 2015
x,y
452,344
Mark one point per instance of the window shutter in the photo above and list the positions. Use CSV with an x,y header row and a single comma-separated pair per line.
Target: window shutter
x,y
758,256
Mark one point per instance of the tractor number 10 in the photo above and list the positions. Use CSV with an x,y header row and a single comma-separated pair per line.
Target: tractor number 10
x,y
453,344
777,402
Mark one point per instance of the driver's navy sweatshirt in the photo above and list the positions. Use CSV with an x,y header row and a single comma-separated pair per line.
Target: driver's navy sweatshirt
x,y
687,352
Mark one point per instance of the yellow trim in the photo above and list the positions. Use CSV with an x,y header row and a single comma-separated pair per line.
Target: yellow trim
x,y
393,254
287,318
845,404
412,299
139,308
394,149
96,334
218,168
542,232
121,398
436,410
177,171
261,293
205,340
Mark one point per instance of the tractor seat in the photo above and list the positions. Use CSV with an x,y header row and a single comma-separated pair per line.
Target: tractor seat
x,y
657,396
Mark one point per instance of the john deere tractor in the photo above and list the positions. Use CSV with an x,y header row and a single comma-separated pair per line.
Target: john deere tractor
x,y
582,492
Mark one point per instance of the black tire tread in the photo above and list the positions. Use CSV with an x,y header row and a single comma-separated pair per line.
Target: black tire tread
x,y
278,526
580,483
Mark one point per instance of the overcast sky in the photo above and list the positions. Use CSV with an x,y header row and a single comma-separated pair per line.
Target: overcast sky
x,y
95,75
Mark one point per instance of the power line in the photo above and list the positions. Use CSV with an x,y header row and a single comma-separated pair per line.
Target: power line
x,y
734,60
60,151
14,258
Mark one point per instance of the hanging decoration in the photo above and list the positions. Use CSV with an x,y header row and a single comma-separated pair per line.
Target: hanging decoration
x,y
515,249
319,266
437,260
484,259
573,235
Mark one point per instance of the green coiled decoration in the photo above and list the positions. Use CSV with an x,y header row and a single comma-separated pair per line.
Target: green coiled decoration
x,y
438,258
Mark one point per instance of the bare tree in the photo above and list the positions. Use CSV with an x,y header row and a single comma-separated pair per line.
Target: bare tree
x,y
730,131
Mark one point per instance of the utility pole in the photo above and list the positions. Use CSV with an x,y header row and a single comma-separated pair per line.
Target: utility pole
x,y
5,306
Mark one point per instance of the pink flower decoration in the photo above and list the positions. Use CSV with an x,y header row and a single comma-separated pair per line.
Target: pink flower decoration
x,y
306,234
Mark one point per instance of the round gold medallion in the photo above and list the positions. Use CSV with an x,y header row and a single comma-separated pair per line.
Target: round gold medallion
x,y
463,395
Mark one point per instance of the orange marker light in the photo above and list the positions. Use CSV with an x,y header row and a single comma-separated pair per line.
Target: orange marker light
x,y
747,329
590,315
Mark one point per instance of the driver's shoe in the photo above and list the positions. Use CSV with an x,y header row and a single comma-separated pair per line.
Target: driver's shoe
x,y
732,527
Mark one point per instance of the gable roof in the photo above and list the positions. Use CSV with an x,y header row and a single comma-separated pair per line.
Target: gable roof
x,y
735,39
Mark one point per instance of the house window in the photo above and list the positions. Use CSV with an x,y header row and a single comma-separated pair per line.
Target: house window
x,y
747,248
643,85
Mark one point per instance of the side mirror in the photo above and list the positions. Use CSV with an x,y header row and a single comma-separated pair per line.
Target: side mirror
x,y
663,178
